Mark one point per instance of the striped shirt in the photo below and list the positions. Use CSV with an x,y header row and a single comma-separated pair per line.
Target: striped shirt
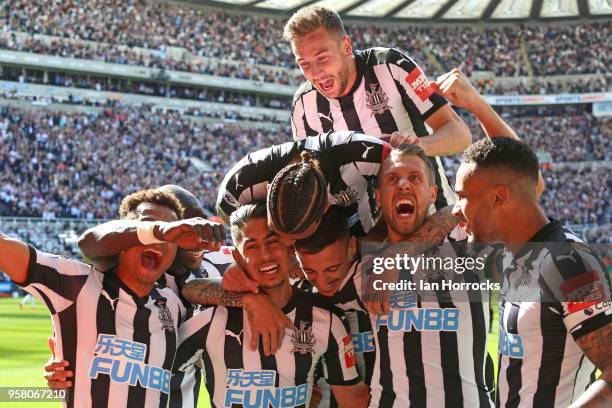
x,y
391,93
119,346
236,375
427,364
349,161
540,364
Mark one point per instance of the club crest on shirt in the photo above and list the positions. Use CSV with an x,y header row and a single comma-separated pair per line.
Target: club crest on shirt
x,y
165,317
303,340
377,100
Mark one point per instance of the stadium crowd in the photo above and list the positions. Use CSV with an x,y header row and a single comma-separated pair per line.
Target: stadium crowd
x,y
47,159
56,165
563,50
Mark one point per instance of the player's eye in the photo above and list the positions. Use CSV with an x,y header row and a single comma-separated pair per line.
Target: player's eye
x,y
414,178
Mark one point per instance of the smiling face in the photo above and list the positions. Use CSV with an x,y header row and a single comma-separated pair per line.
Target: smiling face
x,y
328,268
325,60
141,266
404,194
474,205
266,257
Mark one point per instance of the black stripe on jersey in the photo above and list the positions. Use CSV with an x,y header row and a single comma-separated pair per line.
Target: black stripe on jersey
x,y
479,335
327,123
105,323
415,116
387,396
369,358
142,334
268,362
46,299
170,350
350,113
513,373
303,362
553,346
68,334
449,356
233,349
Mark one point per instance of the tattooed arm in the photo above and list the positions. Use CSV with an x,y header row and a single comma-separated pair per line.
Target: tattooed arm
x,y
436,227
596,346
265,319
209,291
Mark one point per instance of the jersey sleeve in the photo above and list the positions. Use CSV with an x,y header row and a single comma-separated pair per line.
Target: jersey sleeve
x,y
414,85
55,280
247,181
339,361
578,280
365,152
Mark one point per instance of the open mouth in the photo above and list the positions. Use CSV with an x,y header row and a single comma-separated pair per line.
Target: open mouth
x,y
151,259
327,85
270,269
404,207
195,253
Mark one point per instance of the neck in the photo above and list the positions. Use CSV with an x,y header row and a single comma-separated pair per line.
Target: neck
x,y
525,224
352,77
280,295
139,288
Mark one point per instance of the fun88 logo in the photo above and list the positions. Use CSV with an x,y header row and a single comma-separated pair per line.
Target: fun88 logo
x,y
123,361
510,345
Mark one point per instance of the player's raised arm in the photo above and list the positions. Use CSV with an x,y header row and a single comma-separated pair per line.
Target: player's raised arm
x,y
455,87
101,244
14,258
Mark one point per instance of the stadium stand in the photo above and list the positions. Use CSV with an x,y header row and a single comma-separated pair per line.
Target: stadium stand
x,y
56,153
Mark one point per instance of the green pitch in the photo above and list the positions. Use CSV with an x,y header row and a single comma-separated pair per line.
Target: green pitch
x,y
24,350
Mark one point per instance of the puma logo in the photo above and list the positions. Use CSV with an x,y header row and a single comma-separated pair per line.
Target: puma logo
x,y
110,300
328,117
236,336
365,154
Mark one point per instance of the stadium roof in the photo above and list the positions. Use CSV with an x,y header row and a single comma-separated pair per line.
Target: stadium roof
x,y
442,11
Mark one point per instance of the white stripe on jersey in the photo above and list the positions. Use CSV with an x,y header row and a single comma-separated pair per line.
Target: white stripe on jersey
x,y
368,126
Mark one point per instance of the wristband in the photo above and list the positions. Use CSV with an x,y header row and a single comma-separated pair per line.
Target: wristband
x,y
145,233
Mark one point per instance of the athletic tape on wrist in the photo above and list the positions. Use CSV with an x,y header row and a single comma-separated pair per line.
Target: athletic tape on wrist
x,y
145,233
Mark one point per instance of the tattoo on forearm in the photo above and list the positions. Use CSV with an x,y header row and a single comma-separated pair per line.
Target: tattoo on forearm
x,y
203,292
435,228
596,346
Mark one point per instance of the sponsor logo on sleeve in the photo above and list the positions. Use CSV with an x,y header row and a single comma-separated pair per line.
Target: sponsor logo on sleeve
x,y
349,352
582,291
417,80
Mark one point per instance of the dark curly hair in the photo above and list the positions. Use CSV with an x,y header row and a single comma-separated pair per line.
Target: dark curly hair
x,y
503,152
153,196
298,196
334,227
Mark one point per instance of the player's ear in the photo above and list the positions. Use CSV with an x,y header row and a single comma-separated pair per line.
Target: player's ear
x,y
347,46
433,194
352,247
502,193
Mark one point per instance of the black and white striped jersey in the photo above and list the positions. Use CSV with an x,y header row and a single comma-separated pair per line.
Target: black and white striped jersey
x,y
213,265
119,346
360,328
540,364
350,162
429,353
237,376
391,93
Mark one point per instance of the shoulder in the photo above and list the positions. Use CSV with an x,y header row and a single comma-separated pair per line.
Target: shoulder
x,y
305,88
382,55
